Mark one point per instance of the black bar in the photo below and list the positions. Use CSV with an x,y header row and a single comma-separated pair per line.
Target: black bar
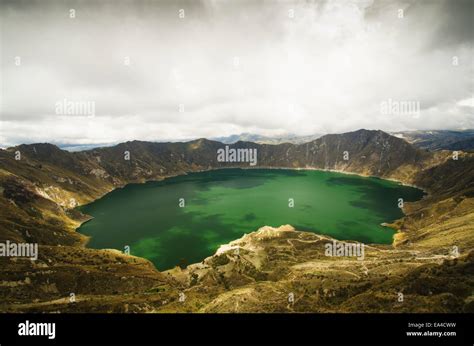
x,y
210,329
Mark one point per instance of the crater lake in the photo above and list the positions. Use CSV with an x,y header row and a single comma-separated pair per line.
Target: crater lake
x,y
184,219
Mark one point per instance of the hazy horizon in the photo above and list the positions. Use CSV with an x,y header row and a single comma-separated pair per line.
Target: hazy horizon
x,y
87,146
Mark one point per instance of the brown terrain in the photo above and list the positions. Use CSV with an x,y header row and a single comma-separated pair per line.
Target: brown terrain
x,y
428,268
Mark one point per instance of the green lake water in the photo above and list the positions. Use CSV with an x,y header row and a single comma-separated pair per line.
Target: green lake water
x,y
222,205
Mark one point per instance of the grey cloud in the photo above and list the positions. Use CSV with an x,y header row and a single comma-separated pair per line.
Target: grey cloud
x,y
457,24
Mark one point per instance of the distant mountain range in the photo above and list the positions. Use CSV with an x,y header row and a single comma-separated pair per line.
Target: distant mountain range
x,y
369,152
244,137
248,137
437,140
430,140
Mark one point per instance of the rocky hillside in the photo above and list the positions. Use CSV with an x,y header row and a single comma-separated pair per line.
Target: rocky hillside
x,y
41,184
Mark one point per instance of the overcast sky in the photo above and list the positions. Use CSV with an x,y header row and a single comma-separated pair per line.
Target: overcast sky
x,y
227,67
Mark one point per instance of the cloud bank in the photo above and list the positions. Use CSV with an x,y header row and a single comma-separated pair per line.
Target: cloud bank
x,y
158,70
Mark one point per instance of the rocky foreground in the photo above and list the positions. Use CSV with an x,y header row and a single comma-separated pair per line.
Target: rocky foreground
x,y
429,267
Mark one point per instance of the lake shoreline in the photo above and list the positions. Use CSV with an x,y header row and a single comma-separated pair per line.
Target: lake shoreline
x,y
383,224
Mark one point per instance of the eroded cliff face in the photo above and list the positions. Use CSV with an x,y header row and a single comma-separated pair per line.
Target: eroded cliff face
x,y
255,273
